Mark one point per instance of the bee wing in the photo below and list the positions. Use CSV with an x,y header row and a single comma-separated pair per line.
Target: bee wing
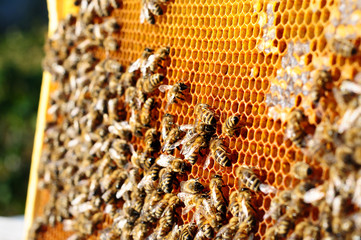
x,y
244,208
135,65
186,127
187,209
114,3
208,161
186,198
331,192
172,146
95,148
132,149
144,13
314,195
123,124
149,62
125,188
221,231
114,155
349,118
351,87
174,233
164,160
267,189
164,88
188,152
164,132
146,179
356,198
152,6
152,236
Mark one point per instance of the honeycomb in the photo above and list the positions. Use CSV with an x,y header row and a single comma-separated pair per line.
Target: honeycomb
x,y
252,58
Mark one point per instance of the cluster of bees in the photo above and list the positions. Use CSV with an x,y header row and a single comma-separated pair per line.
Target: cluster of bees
x,y
105,160
334,144
112,171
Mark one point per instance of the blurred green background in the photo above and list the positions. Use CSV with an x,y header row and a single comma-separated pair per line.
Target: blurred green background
x,y
23,26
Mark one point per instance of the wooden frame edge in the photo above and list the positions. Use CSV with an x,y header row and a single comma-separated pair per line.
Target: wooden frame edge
x,y
40,126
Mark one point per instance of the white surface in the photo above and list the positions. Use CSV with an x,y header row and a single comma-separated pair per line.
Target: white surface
x,y
12,228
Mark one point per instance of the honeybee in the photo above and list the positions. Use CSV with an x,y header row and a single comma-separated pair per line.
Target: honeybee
x,y
109,195
112,66
322,84
154,172
151,141
247,212
188,232
140,231
140,62
83,46
343,47
151,82
243,232
147,183
147,163
296,127
168,219
113,105
217,197
148,10
131,182
301,170
98,10
219,153
104,6
271,233
110,44
138,197
174,164
192,146
205,230
121,129
205,114
279,205
108,180
299,231
174,135
145,115
228,231
284,225
230,125
192,186
166,180
249,179
155,59
174,92
131,98
234,206
311,231
119,151
167,124
159,208
135,125
175,233
325,217
38,226
110,26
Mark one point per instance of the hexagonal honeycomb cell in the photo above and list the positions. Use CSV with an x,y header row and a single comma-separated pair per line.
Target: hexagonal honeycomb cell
x,y
248,58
